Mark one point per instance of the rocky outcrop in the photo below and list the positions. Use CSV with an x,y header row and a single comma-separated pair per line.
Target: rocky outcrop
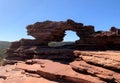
x,y
80,70
45,33
47,59
48,31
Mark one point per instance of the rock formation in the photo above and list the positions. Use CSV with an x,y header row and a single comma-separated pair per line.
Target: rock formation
x,y
89,67
47,58
49,31
55,31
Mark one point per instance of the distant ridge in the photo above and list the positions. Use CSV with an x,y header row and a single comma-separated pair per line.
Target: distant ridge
x,y
4,44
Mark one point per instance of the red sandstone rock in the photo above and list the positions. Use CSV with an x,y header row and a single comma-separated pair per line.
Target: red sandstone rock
x,y
12,74
105,61
38,68
83,67
53,31
55,70
49,31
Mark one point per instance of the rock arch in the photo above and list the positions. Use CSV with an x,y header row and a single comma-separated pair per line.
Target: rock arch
x,y
48,31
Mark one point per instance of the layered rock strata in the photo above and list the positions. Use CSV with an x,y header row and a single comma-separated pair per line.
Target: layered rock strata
x,y
84,69
50,31
49,60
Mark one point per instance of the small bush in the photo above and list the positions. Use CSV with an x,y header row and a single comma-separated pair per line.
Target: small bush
x,y
55,44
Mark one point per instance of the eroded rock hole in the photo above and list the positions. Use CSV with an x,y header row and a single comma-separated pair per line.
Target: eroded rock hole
x,y
70,36
69,39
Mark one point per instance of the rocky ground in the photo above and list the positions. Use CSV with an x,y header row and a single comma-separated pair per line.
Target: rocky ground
x,y
89,67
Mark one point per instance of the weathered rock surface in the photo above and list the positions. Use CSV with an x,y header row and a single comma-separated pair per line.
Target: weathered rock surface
x,y
46,59
109,59
80,70
105,74
50,31
54,31
12,74
48,69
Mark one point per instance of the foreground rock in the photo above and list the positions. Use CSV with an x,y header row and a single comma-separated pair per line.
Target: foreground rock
x,y
48,69
80,70
106,59
12,74
102,73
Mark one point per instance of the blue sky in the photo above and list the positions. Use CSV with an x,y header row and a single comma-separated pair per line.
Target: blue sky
x,y
15,15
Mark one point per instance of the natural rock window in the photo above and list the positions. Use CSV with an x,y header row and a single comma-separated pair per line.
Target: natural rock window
x,y
70,36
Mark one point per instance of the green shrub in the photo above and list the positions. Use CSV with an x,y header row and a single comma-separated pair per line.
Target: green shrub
x,y
55,44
